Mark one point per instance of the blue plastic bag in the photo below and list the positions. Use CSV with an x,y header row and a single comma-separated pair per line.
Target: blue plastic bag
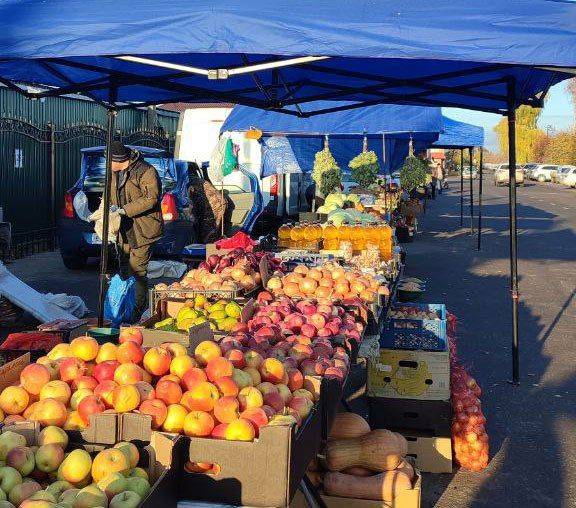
x,y
120,301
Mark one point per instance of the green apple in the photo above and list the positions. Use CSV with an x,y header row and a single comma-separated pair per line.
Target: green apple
x,y
138,485
90,497
57,488
43,495
23,491
68,496
49,457
127,499
9,440
138,471
22,459
9,478
113,484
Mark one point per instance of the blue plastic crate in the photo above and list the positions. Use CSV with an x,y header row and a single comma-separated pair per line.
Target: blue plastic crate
x,y
416,334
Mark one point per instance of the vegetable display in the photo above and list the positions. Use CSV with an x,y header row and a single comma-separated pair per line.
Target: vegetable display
x,y
326,173
364,168
413,173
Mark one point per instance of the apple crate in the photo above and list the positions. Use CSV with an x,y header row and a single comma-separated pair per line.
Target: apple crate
x,y
417,334
263,473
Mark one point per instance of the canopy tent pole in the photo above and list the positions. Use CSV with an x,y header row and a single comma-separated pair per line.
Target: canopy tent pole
x,y
461,187
480,199
471,182
105,218
513,228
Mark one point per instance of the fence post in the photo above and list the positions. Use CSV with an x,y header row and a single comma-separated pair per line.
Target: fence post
x,y
52,184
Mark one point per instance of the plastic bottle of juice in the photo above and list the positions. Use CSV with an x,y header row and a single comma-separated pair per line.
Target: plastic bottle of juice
x,y
386,242
344,232
330,237
295,237
284,236
308,235
317,233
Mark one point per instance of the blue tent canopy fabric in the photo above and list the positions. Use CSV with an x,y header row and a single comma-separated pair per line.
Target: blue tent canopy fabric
x,y
388,129
448,52
459,135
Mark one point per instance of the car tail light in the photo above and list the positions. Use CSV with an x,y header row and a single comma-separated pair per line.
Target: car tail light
x,y
169,209
274,186
68,208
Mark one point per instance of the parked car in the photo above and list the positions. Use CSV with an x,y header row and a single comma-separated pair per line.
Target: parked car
x,y
543,172
528,168
560,174
502,176
569,178
466,173
77,238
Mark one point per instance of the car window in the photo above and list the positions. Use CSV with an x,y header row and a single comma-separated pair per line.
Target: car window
x,y
505,166
548,168
96,166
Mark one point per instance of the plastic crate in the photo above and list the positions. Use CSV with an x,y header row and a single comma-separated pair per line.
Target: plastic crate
x,y
417,334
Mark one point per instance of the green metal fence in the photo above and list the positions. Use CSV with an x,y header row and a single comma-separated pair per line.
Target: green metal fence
x,y
40,156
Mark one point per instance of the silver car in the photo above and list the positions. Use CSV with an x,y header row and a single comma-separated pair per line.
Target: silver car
x,y
560,175
502,175
543,172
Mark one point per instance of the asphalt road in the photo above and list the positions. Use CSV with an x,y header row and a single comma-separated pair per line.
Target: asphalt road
x,y
532,427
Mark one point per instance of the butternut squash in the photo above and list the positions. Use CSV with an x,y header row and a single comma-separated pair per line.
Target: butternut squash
x,y
348,425
358,471
406,468
379,450
381,487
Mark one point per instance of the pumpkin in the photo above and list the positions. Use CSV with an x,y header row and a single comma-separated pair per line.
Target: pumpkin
x,y
348,425
381,487
379,450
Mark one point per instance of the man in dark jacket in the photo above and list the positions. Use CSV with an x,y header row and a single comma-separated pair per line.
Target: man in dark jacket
x,y
135,194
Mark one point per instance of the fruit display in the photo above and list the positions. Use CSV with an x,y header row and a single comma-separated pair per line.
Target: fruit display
x,y
406,312
338,201
46,475
326,173
364,168
306,319
330,281
226,390
360,463
216,263
222,315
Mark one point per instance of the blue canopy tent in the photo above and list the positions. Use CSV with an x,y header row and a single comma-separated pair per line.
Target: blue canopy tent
x,y
489,56
461,135
387,129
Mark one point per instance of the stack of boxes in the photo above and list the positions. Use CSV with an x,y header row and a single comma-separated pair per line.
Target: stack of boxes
x,y
409,384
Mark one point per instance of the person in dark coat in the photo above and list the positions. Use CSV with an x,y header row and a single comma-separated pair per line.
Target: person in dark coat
x,y
135,193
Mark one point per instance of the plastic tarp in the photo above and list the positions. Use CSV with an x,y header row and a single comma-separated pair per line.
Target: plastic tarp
x,y
459,135
388,129
447,52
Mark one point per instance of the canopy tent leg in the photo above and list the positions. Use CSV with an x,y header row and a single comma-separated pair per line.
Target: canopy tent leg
x,y
471,182
461,187
106,208
480,176
513,229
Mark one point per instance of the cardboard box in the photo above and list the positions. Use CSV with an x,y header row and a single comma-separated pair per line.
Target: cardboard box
x,y
152,337
160,458
102,429
407,499
402,374
431,454
431,416
263,473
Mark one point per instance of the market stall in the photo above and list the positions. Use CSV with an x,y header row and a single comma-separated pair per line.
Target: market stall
x,y
460,136
428,54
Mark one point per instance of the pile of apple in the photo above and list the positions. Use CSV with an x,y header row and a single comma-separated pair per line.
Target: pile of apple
x,y
308,318
330,281
239,257
46,476
227,390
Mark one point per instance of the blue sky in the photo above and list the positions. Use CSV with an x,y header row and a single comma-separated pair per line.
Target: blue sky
x,y
558,114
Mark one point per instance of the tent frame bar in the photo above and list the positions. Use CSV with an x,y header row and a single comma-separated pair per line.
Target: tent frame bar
x,y
165,82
